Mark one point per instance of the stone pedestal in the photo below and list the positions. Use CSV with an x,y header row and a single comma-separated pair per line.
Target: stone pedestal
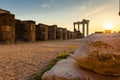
x,y
59,34
68,35
25,30
7,28
64,32
72,35
42,32
52,32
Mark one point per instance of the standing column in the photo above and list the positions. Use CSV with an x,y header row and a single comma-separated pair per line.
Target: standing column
x,y
74,26
87,28
83,29
78,27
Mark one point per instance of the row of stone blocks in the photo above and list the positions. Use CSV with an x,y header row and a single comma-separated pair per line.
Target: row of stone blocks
x,y
12,30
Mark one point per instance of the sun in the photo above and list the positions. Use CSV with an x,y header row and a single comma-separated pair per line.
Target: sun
x,y
108,26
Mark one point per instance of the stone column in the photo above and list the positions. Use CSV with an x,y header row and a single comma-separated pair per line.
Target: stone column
x,y
78,27
87,28
83,29
74,26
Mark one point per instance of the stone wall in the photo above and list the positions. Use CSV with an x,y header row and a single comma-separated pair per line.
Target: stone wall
x,y
7,28
59,34
41,32
52,32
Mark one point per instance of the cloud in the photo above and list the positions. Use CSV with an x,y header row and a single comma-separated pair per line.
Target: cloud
x,y
45,6
94,12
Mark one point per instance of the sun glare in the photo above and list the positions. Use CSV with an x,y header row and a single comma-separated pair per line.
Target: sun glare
x,y
108,26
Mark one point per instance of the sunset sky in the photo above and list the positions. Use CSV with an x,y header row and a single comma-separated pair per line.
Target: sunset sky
x,y
65,12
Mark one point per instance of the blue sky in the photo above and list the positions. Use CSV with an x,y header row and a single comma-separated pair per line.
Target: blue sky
x,y
65,12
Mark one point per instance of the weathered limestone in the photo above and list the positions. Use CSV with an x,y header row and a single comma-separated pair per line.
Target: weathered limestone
x,y
100,53
25,30
42,32
64,32
52,32
68,69
7,27
59,34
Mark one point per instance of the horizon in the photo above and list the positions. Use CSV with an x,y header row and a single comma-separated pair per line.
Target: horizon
x,y
64,12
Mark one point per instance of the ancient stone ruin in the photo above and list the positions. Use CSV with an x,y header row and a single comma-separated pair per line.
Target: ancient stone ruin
x,y
64,32
69,35
84,32
41,32
12,29
97,58
59,34
25,30
18,30
52,32
7,27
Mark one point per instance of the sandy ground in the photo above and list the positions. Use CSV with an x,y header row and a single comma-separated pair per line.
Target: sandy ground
x,y
19,61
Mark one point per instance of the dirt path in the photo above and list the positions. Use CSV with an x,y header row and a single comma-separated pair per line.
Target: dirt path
x,y
19,61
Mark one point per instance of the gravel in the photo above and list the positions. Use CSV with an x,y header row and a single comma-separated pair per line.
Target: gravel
x,y
20,61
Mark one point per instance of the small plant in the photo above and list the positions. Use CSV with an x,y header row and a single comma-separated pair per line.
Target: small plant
x,y
50,65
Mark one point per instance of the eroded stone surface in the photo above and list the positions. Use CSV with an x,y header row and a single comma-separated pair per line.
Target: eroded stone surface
x,y
100,53
68,69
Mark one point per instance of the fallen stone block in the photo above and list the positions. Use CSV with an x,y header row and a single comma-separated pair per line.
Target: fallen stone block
x,y
68,69
100,53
